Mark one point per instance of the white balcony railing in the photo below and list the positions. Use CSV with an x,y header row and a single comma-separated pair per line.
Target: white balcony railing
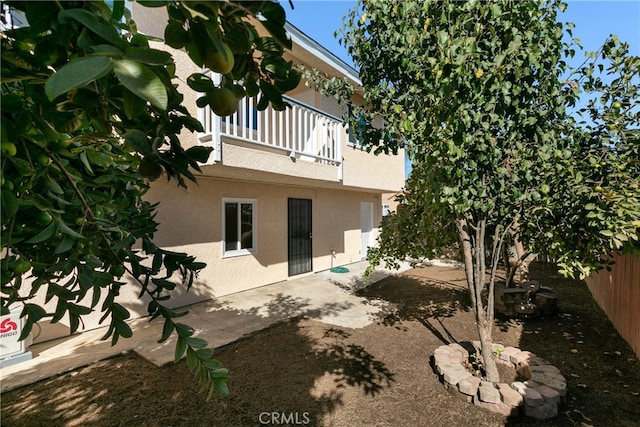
x,y
301,132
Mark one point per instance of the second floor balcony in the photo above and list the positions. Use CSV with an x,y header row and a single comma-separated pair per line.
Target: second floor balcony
x,y
300,132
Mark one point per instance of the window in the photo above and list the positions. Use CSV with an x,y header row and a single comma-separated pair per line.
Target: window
x,y
385,210
238,227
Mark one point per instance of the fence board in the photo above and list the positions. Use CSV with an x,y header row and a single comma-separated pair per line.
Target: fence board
x,y
618,293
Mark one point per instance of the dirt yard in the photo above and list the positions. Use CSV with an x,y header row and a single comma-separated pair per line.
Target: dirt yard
x,y
302,372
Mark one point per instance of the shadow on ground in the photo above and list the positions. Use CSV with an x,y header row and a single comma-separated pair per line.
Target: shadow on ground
x,y
304,372
423,299
284,374
602,372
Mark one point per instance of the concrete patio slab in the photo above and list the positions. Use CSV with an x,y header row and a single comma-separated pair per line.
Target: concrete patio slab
x,y
325,296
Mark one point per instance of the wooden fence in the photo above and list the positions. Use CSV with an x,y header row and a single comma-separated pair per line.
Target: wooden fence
x,y
618,293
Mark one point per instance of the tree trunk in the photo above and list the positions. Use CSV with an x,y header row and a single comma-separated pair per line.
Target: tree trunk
x,y
526,257
473,250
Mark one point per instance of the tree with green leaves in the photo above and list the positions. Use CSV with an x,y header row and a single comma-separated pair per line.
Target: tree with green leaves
x,y
478,94
91,113
594,208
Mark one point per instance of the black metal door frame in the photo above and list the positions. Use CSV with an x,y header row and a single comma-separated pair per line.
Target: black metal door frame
x,y
300,253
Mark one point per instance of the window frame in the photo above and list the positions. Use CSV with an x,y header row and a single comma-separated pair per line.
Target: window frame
x,y
254,220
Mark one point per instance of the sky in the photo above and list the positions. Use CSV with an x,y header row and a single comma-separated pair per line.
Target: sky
x,y
594,21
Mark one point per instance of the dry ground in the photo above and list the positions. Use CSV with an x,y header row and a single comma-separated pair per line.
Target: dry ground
x,y
320,375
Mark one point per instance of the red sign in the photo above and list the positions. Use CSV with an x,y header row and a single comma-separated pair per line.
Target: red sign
x,y
8,325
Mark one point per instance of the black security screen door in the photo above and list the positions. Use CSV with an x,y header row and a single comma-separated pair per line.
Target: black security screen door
x,y
300,254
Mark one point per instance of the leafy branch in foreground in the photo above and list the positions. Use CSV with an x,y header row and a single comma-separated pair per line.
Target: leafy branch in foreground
x,y
91,113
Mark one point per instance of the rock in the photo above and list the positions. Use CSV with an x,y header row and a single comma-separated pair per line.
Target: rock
x,y
537,361
547,369
509,395
507,353
458,395
541,412
517,386
500,408
469,385
530,395
522,358
538,396
464,353
487,392
549,395
454,374
555,383
442,350
513,357
442,359
440,366
524,370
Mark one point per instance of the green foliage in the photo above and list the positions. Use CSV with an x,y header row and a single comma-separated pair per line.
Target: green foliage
x,y
419,228
230,45
465,85
335,87
90,114
477,94
595,208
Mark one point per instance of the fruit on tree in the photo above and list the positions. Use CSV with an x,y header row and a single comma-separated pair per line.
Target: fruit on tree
x,y
8,149
7,184
117,270
21,266
44,218
222,101
149,169
219,63
43,160
64,141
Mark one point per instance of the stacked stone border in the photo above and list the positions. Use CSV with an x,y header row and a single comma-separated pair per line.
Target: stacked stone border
x,y
539,396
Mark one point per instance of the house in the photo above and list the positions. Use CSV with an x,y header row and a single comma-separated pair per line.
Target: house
x,y
283,194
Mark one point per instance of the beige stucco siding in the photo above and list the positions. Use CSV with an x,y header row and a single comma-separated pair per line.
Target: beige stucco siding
x,y
191,220
366,170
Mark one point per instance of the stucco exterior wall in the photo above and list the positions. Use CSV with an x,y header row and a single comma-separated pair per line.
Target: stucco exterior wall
x,y
191,220
241,155
366,170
